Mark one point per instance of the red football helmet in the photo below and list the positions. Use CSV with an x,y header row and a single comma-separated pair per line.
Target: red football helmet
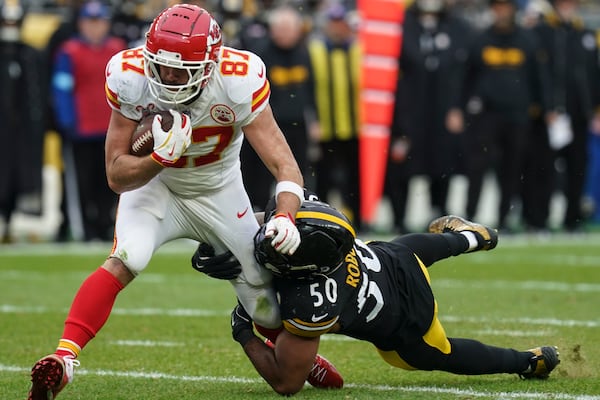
x,y
187,37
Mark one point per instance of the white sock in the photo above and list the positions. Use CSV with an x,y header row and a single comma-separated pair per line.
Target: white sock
x,y
471,238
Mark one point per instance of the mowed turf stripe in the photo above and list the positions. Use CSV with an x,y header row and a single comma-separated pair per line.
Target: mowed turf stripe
x,y
186,312
386,388
185,245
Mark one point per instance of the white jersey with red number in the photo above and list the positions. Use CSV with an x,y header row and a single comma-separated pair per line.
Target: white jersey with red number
x,y
236,93
202,197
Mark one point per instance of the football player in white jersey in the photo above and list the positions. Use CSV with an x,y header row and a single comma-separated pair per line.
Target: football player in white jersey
x,y
191,185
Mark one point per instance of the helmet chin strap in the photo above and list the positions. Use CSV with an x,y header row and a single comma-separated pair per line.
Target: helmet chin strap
x,y
194,98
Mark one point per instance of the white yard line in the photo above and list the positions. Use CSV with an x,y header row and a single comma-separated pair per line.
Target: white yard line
x,y
146,343
189,312
487,284
382,388
491,284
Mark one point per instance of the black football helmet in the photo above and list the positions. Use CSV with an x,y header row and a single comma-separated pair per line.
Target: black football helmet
x,y
326,238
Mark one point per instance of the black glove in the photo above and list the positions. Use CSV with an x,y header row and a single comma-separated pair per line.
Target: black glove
x,y
223,266
241,325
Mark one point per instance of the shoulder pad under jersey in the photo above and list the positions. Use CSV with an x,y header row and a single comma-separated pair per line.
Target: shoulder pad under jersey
x,y
245,76
125,79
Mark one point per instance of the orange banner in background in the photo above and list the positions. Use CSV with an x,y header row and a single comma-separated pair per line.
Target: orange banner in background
x,y
380,35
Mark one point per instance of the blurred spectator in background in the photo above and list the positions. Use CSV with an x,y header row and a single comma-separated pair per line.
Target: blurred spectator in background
x,y
503,81
22,110
128,24
243,22
592,188
572,62
71,227
335,57
82,116
288,69
425,131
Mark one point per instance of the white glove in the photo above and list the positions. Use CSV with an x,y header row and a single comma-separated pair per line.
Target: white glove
x,y
286,237
169,146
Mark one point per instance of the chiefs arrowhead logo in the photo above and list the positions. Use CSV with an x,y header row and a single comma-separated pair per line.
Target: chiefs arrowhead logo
x,y
222,114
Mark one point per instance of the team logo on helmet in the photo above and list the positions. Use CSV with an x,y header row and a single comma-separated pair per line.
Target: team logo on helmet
x,y
214,33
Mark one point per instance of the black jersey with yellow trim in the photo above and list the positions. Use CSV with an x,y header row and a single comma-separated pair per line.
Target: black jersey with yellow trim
x,y
380,295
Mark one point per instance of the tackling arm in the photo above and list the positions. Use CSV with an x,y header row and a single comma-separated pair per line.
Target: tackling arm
x,y
286,367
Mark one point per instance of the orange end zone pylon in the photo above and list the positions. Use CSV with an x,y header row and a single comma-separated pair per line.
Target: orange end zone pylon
x,y
380,36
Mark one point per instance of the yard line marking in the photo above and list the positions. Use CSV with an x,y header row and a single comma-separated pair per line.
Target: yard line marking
x,y
185,312
145,343
176,312
550,260
410,389
516,285
474,393
149,277
179,246
511,333
524,320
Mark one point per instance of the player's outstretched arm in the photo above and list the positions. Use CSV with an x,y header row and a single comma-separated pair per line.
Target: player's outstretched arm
x,y
268,141
285,367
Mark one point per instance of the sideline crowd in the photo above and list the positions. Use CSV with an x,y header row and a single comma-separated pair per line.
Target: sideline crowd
x,y
507,87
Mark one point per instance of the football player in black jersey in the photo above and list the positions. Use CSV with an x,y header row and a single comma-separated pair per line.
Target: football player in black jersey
x,y
376,291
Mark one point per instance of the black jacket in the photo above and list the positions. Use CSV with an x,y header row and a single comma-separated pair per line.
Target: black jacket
x,y
572,62
504,74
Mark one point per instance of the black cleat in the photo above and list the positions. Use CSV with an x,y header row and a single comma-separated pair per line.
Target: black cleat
x,y
544,360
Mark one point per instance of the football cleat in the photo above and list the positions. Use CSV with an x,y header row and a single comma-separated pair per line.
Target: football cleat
x,y
50,375
487,238
323,375
543,361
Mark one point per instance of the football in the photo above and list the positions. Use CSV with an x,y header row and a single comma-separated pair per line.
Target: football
x,y
142,140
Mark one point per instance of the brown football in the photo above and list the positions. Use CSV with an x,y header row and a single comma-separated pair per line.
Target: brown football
x,y
142,140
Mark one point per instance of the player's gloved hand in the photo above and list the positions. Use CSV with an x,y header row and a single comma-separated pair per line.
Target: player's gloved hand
x,y
169,146
222,266
241,325
282,228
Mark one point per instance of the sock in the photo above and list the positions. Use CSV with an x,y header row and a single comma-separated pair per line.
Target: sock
x,y
89,311
472,240
270,334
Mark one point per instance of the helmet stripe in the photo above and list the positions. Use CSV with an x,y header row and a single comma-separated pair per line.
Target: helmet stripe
x,y
326,217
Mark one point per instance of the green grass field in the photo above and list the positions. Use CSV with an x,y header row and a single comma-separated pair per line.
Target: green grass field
x,y
169,335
